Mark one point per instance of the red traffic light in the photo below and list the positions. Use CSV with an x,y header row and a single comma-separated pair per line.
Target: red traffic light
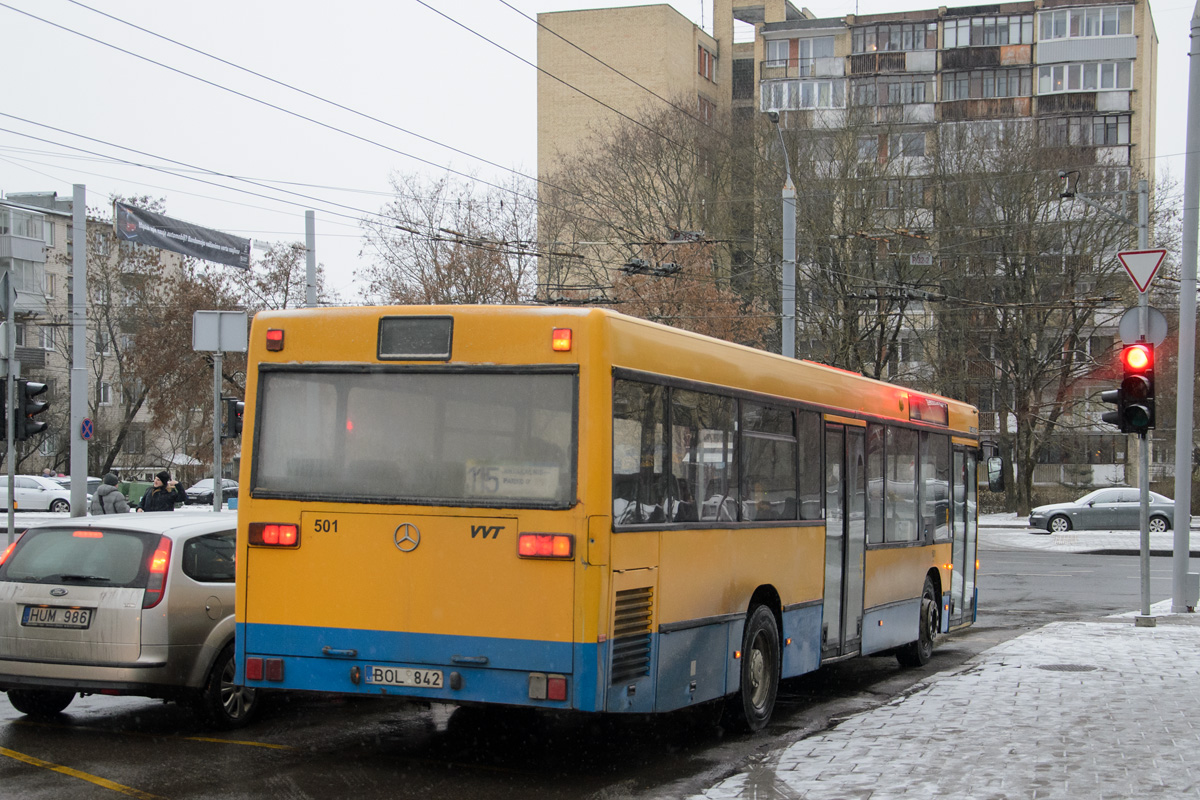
x,y
1137,357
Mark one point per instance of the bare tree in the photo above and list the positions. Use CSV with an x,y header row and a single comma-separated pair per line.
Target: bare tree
x,y
448,241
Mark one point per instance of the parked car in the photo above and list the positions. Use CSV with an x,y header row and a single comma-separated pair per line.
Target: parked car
x,y
135,604
92,483
1114,508
202,491
35,493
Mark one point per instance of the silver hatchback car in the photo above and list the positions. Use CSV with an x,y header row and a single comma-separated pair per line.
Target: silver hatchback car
x,y
132,604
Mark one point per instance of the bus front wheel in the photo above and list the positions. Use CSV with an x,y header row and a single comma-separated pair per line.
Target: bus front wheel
x,y
750,709
918,653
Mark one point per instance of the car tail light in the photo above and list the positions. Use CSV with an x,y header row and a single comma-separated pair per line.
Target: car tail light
x,y
156,585
545,545
7,552
274,534
88,535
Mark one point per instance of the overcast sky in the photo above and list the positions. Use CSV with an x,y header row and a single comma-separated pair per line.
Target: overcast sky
x,y
81,104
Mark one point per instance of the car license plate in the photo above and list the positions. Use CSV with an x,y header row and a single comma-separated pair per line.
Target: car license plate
x,y
396,676
56,617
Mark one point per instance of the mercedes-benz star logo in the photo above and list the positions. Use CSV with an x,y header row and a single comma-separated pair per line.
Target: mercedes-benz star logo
x,y
407,537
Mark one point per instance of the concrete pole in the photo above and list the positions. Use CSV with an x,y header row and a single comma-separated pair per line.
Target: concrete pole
x,y
1187,328
79,375
310,257
1143,440
788,338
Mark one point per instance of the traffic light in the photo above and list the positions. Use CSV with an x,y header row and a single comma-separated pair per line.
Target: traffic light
x,y
1137,387
25,426
1135,399
234,409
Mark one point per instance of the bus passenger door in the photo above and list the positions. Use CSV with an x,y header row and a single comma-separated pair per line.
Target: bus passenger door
x,y
845,540
962,582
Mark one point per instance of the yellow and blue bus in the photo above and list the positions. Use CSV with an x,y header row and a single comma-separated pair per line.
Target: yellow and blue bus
x,y
576,509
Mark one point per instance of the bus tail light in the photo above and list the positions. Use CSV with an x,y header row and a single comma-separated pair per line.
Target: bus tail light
x,y
274,534
545,545
560,340
254,669
156,584
274,339
547,687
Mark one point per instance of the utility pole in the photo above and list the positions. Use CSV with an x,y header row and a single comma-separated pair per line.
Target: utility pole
x,y
788,347
79,376
1187,334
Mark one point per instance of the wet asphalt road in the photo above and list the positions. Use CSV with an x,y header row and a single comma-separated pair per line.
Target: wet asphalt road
x,y
325,747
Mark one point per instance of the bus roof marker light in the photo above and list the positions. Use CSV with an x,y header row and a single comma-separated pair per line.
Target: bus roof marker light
x,y
560,340
274,339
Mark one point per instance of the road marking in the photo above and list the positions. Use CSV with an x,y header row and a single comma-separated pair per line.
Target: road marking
x,y
83,776
109,731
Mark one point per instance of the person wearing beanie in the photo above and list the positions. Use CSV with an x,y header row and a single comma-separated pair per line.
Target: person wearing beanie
x,y
164,496
108,499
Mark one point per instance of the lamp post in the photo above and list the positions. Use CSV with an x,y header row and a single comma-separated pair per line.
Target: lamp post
x,y
788,347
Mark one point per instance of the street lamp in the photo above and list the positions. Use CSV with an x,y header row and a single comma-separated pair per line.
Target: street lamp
x,y
789,248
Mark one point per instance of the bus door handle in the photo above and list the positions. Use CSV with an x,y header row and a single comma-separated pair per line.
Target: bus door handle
x,y
329,651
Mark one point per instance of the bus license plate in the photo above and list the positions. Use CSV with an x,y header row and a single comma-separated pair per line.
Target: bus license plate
x,y
56,617
396,676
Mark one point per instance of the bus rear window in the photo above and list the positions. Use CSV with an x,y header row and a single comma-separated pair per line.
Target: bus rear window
x,y
452,438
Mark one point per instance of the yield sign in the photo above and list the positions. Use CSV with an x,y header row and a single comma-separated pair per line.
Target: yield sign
x,y
1142,265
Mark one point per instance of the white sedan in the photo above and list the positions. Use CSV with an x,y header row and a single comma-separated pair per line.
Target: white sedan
x,y
35,493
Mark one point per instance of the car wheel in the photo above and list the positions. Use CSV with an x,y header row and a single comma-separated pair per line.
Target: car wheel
x,y
1059,524
60,506
222,703
750,709
39,702
1158,524
918,653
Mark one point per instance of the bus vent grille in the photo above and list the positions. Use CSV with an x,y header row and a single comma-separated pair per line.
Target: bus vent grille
x,y
631,634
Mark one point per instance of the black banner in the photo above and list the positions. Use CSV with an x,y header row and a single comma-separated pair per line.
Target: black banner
x,y
145,227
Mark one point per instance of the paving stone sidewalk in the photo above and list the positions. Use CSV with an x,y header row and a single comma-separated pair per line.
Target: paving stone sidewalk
x,y
1073,710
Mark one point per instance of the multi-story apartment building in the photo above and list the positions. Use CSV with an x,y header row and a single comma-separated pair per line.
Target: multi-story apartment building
x,y
1077,76
35,250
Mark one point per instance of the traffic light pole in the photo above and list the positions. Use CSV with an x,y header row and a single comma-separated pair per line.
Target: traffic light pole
x,y
218,477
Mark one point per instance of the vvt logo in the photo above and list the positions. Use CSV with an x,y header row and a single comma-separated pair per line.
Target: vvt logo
x,y
486,531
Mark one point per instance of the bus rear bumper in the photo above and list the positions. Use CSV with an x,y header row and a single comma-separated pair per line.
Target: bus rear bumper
x,y
435,668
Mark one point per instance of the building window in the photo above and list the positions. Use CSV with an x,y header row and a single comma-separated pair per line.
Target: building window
x,y
906,145
796,95
743,79
26,224
892,91
19,335
1090,77
28,276
103,342
707,64
706,109
894,36
105,394
135,442
986,83
46,337
987,31
1074,23
1096,131
778,52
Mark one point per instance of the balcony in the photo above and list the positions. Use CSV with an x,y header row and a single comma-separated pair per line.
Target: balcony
x,y
777,68
985,108
870,63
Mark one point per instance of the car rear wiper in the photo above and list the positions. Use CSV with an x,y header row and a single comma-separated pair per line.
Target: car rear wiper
x,y
81,578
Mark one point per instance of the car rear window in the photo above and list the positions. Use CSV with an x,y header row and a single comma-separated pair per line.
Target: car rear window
x,y
81,555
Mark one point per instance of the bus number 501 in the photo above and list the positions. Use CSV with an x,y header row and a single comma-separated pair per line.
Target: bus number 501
x,y
325,526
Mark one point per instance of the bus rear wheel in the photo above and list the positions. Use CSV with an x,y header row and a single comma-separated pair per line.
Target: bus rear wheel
x,y
918,653
750,709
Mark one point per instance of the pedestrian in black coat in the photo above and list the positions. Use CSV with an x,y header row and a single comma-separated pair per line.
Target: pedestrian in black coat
x,y
163,497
